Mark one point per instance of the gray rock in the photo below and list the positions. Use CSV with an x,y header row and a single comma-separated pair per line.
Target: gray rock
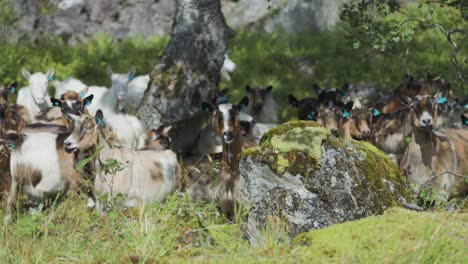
x,y
80,20
346,180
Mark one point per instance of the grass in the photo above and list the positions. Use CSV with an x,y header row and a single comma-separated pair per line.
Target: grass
x,y
181,231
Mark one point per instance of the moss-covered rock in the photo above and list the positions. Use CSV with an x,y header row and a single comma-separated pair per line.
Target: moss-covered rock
x,y
312,179
397,236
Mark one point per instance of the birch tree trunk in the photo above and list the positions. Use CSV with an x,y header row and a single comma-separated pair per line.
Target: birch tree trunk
x,y
189,70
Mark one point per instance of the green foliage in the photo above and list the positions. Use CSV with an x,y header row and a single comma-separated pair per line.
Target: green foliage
x,y
8,14
395,29
86,62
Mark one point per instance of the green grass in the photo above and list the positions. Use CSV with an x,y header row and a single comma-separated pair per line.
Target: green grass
x,y
181,231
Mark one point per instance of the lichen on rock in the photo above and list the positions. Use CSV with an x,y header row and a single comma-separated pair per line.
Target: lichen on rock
x,y
311,179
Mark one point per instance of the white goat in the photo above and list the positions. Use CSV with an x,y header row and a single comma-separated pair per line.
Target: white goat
x,y
147,176
35,97
40,165
136,91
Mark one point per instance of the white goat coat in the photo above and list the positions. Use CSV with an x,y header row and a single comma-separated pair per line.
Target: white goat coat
x,y
147,176
128,130
136,91
38,152
69,84
25,99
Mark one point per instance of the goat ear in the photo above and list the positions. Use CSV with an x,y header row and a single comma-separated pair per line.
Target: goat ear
x,y
244,102
346,110
88,100
50,74
317,90
83,92
408,77
131,73
99,118
221,97
293,101
464,119
56,102
12,88
443,92
109,71
245,127
429,76
206,107
26,74
248,89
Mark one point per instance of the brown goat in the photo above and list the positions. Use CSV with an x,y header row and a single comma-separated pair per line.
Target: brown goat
x,y
227,126
436,157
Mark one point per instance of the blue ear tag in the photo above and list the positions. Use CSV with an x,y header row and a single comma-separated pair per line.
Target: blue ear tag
x,y
99,121
82,94
11,145
56,104
375,112
50,78
441,100
465,106
221,99
131,77
345,114
12,89
311,115
88,103
243,107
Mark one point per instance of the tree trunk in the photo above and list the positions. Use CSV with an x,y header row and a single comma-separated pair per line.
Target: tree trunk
x,y
189,70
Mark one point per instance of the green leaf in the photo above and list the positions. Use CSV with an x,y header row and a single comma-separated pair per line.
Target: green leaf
x,y
356,45
83,162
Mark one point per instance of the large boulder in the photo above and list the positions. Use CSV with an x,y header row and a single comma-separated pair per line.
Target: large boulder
x,y
311,180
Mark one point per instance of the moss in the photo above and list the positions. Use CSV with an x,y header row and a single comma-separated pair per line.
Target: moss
x,y
398,236
294,146
377,166
169,81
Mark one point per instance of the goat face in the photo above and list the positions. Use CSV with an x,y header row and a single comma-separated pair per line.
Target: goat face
x,y
356,123
257,98
38,84
306,108
423,112
85,131
120,82
226,117
328,118
71,103
159,138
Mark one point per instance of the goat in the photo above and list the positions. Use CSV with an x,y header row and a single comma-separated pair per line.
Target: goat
x,y
158,139
35,97
436,157
135,93
226,118
306,107
40,165
70,103
12,116
147,176
356,123
262,107
107,100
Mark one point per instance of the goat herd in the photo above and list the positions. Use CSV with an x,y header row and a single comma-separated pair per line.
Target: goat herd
x,y
421,125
